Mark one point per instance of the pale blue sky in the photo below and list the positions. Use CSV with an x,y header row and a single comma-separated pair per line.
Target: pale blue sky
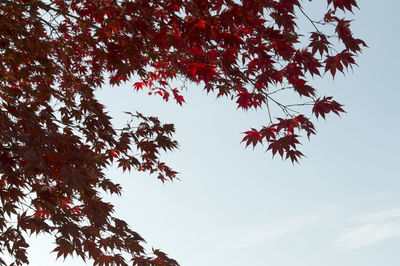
x,y
234,207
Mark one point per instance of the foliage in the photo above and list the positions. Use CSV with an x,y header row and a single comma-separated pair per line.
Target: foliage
x,y
57,139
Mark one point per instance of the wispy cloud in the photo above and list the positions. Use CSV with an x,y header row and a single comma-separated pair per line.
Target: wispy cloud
x,y
277,229
371,228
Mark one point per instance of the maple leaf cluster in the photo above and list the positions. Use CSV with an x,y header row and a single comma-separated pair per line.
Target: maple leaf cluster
x,y
56,139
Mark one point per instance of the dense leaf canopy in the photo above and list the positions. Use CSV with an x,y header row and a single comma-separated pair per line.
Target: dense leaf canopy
x,y
56,139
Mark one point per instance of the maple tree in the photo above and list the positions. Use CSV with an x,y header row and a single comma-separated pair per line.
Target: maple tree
x,y
57,139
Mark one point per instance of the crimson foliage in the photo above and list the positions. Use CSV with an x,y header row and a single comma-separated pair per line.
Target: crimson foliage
x,y
57,139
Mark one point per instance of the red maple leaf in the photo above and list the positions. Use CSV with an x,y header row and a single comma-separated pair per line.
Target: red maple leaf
x,y
326,105
252,137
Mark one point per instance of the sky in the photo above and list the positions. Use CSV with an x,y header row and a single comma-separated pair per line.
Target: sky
x,y
235,206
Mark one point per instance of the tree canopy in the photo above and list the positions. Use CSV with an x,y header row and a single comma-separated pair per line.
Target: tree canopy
x,y
57,138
